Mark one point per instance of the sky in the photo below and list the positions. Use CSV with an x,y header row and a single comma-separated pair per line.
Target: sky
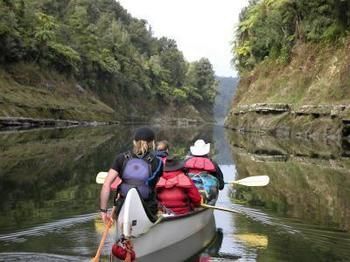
x,y
201,28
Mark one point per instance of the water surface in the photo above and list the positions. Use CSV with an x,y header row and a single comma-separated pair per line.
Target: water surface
x,y
48,210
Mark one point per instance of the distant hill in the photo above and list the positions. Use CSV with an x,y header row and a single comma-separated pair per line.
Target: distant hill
x,y
227,88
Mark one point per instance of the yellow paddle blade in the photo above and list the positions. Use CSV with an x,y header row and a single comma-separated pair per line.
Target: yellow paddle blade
x,y
253,240
100,226
252,181
101,176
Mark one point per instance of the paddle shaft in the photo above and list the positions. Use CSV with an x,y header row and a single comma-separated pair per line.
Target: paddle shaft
x,y
103,239
220,208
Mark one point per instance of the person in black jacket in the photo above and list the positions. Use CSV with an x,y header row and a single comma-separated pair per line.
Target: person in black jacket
x,y
140,169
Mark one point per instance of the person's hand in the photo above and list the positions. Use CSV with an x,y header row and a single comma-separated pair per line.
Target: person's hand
x,y
204,196
106,218
202,200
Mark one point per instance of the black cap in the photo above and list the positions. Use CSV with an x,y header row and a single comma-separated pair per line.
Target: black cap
x,y
144,133
172,164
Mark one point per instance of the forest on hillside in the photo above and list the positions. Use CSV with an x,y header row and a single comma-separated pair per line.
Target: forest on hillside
x,y
106,50
269,29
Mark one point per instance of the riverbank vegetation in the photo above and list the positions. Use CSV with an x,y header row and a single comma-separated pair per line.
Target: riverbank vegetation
x,y
270,29
295,53
105,52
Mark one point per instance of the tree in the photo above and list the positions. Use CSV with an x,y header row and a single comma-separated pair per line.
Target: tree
x,y
104,48
270,28
201,85
173,61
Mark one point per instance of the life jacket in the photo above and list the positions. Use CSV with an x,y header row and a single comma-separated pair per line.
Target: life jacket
x,y
200,170
198,164
171,191
137,173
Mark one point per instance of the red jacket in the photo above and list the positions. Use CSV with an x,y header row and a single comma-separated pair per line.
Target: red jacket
x,y
177,192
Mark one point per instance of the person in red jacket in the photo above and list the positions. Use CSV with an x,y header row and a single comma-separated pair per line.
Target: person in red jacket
x,y
175,190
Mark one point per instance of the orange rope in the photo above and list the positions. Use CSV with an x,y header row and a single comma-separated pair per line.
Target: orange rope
x,y
129,250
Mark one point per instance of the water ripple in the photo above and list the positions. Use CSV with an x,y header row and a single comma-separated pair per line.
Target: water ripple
x,y
37,257
47,228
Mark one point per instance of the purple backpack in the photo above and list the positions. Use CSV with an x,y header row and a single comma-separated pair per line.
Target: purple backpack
x,y
136,174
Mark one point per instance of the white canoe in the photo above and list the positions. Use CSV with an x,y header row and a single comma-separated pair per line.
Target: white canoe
x,y
150,238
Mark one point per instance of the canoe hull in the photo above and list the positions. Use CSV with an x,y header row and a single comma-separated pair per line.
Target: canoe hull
x,y
149,238
170,232
186,248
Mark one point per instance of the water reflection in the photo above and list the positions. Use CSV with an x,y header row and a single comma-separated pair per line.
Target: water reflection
x,y
309,180
273,238
47,184
49,174
49,195
306,205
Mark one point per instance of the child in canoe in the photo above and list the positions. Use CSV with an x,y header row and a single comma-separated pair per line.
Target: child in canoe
x,y
162,149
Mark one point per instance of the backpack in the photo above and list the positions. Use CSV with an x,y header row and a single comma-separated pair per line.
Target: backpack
x,y
199,169
206,184
137,173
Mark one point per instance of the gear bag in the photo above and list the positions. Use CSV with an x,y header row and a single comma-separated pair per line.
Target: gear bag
x,y
137,173
199,169
206,184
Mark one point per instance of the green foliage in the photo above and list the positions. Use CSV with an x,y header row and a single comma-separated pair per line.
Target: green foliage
x,y
270,28
173,61
64,57
44,30
7,20
201,84
103,47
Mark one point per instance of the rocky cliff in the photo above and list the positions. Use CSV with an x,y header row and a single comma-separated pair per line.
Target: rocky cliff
x,y
308,97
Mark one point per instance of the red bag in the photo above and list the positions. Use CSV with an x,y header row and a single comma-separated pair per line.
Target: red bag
x,y
121,250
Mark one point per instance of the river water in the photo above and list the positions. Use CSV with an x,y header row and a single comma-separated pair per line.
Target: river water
x,y
49,197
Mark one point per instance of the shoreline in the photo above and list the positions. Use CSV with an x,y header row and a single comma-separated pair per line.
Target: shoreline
x,y
27,122
284,120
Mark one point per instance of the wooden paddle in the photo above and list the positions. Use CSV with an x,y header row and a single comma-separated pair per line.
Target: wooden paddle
x,y
248,181
251,181
103,239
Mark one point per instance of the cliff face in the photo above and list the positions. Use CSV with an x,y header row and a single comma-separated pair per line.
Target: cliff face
x,y
309,96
